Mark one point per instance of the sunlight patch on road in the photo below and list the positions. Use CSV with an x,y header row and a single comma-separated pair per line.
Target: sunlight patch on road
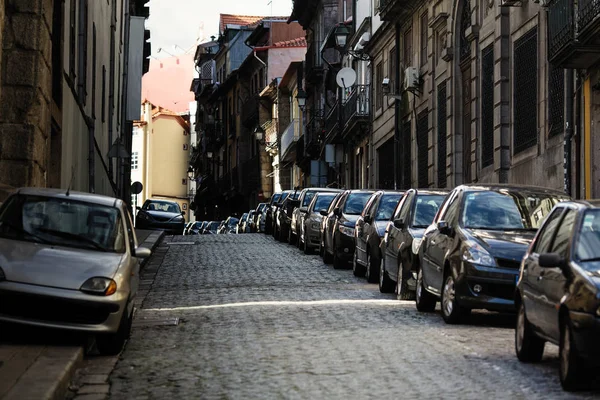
x,y
377,302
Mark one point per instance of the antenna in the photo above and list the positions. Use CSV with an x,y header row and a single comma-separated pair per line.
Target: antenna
x,y
71,182
345,78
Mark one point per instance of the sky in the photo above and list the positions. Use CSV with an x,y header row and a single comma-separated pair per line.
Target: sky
x,y
177,26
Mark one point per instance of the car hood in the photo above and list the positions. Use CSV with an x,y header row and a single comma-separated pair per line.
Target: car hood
x,y
503,244
163,215
54,266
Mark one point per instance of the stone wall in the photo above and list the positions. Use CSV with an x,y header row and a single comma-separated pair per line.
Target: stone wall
x,y
25,95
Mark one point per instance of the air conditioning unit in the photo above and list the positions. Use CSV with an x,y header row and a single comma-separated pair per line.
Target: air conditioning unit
x,y
411,79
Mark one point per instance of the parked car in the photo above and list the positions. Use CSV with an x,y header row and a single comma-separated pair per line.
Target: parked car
x,y
250,224
558,293
160,215
187,227
240,225
328,217
402,239
69,260
339,237
283,217
310,236
305,197
196,228
470,255
229,225
275,212
211,228
258,220
370,227
268,213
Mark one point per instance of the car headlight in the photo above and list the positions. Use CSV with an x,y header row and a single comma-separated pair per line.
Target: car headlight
x,y
346,230
99,286
2,276
416,243
143,215
476,254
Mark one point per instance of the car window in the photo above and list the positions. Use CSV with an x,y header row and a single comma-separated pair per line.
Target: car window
x,y
130,231
588,240
371,204
405,210
544,239
426,207
564,233
355,203
339,203
307,198
387,204
164,206
323,202
400,205
452,209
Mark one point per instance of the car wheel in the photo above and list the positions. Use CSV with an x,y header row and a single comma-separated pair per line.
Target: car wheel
x,y
371,274
402,290
452,312
111,344
528,346
424,300
570,366
357,269
385,283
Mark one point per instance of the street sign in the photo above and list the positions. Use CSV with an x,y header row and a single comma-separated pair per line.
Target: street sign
x,y
136,187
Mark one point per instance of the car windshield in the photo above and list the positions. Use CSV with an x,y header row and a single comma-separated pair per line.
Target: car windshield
x,y
62,221
275,198
261,207
244,217
295,195
323,202
233,221
426,207
308,198
213,226
387,205
507,209
355,203
164,206
587,247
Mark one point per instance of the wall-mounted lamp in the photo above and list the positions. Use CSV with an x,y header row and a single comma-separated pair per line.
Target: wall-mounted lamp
x,y
259,134
209,154
301,98
341,34
190,173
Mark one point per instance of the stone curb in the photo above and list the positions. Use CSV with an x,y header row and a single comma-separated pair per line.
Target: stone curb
x,y
151,242
49,376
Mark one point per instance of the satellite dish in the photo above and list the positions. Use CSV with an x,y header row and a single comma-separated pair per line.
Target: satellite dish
x,y
346,77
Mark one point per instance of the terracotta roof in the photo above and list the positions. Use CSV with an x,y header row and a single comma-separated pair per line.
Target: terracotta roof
x,y
298,42
242,20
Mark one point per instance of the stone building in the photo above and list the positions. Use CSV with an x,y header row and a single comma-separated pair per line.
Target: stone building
x,y
65,71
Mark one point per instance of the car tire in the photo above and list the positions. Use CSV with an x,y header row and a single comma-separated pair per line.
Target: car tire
x,y
528,346
357,269
424,300
111,344
370,270
452,312
570,363
385,283
402,290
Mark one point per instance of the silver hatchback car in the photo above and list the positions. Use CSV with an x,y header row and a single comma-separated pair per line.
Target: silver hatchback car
x,y
69,261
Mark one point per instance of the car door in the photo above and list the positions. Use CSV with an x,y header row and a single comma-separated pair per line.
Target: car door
x,y
531,276
397,236
362,230
334,220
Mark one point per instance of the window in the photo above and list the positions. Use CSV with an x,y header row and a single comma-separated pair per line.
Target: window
x,y
563,236
408,49
424,38
134,160
525,91
83,51
423,148
542,244
442,141
487,106
392,69
556,100
378,80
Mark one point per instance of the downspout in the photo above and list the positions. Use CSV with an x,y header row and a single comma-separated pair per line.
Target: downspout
x,y
569,87
126,133
578,139
111,89
397,110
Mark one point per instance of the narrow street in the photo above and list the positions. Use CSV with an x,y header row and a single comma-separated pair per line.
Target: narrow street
x,y
243,316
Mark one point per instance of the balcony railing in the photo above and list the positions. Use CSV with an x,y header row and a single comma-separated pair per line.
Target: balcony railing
x,y
289,137
358,104
573,30
331,122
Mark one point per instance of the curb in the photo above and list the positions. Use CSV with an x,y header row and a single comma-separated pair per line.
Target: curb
x,y
49,377
151,242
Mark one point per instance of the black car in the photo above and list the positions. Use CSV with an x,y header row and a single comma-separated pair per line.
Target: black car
x,y
299,213
283,216
310,231
229,225
160,215
370,228
275,212
470,255
211,227
558,294
339,237
400,247
269,211
194,228
328,217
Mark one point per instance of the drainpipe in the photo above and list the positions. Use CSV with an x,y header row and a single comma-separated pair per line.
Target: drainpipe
x,y
126,133
578,155
396,108
569,86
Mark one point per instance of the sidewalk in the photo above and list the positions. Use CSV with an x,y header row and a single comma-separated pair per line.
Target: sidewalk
x,y
33,367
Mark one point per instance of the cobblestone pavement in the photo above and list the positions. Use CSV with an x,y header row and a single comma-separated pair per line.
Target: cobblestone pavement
x,y
259,319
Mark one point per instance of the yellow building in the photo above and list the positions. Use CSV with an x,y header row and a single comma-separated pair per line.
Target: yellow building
x,y
160,156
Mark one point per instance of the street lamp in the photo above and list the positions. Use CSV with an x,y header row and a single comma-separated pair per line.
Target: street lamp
x,y
259,133
190,173
301,97
341,35
209,154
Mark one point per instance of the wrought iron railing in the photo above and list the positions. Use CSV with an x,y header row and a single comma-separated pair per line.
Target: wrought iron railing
x,y
561,25
332,118
358,103
588,11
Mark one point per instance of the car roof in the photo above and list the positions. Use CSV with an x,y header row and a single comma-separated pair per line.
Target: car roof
x,y
432,191
511,186
80,196
352,191
591,203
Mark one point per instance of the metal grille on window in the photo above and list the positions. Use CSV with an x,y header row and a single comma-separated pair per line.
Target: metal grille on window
x,y
556,100
487,106
406,154
442,135
423,148
525,91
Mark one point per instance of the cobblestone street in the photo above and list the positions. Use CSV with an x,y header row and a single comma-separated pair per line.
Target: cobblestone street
x,y
259,319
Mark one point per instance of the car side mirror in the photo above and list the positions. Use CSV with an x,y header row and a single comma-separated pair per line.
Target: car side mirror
x,y
551,260
323,213
399,223
142,252
367,219
183,213
444,228
337,212
138,208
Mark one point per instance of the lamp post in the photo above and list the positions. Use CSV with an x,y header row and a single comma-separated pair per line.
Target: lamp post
x,y
301,98
259,134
